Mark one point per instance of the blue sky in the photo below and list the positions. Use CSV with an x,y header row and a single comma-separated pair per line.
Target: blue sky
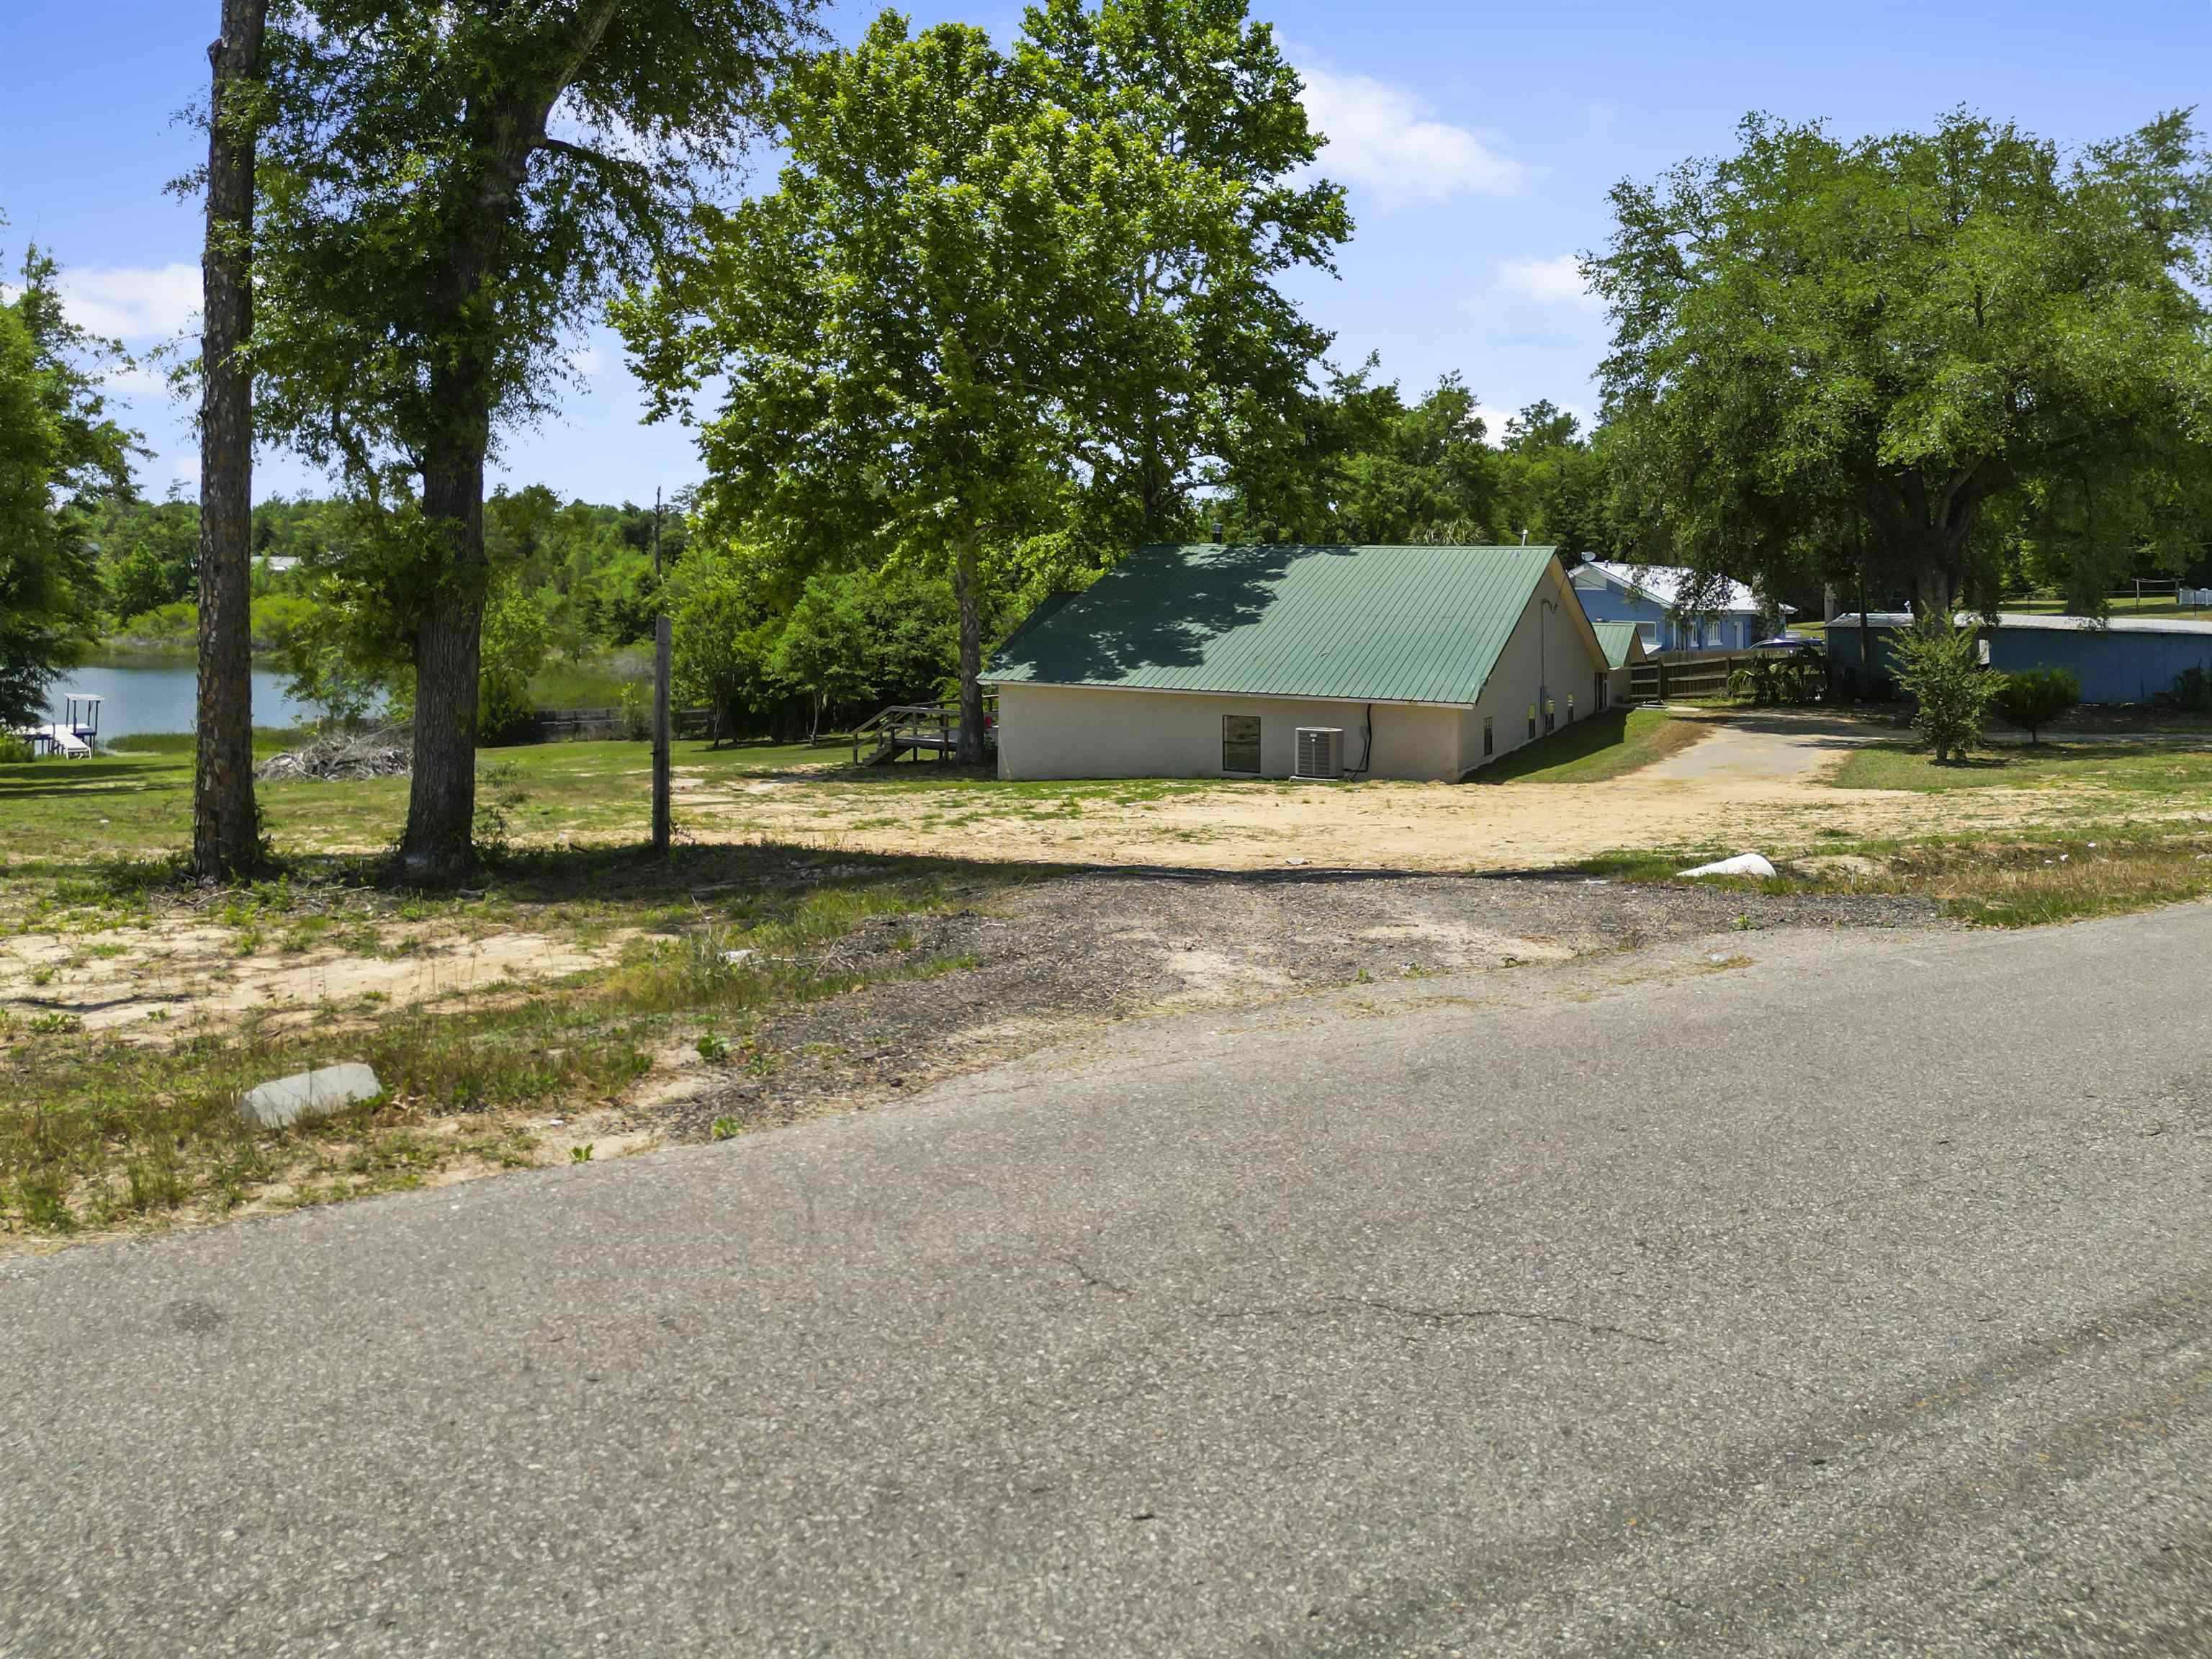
x,y
1478,142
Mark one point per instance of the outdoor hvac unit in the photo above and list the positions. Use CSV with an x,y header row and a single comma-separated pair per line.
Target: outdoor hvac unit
x,y
1321,752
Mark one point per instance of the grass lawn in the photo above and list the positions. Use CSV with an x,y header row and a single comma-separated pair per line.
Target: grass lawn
x,y
1603,746
2133,766
2124,605
136,801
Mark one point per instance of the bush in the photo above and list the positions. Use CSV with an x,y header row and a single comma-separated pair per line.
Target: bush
x,y
514,644
15,751
2191,693
2035,699
1940,668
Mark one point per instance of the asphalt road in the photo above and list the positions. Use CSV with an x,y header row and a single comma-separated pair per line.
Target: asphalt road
x,y
1857,1299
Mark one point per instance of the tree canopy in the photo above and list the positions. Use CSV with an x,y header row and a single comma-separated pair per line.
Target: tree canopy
x,y
447,191
987,285
1822,347
1361,463
61,454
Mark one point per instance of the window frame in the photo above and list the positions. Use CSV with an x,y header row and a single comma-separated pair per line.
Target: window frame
x,y
1257,747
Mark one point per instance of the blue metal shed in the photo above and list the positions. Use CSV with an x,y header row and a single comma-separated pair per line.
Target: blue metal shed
x,y
2125,659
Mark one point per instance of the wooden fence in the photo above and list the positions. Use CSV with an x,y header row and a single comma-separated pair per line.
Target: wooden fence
x,y
1685,679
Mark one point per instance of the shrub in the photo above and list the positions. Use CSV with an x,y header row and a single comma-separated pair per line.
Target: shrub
x,y
2191,693
15,751
515,638
1940,668
2034,700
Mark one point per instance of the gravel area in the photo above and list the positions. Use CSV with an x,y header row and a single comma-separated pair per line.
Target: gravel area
x,y
1033,965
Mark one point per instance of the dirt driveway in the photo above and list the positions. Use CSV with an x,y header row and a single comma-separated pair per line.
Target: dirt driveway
x,y
1751,780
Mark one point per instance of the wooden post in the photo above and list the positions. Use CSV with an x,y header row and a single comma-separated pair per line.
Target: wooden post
x,y
663,635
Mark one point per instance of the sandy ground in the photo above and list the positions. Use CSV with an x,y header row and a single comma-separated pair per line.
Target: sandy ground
x,y
155,985
1753,781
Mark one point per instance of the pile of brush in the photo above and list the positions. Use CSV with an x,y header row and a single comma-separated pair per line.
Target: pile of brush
x,y
375,752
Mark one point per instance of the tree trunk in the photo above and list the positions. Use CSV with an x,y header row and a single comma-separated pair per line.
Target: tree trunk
x,y
438,846
226,828
1933,591
971,653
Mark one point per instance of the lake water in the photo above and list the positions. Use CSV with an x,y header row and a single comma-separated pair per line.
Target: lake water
x,y
153,695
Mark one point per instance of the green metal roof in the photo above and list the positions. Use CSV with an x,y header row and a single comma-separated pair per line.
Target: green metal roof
x,y
1351,624
1619,639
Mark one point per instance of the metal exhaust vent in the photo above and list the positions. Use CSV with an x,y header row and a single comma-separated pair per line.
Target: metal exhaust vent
x,y
1321,752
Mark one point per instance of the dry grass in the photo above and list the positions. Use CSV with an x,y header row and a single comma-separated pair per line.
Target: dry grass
x,y
2023,878
105,1129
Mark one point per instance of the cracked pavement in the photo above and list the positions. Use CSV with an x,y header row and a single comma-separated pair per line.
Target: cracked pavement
x,y
1778,1294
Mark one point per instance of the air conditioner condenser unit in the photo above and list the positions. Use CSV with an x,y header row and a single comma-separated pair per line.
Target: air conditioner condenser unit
x,y
1321,752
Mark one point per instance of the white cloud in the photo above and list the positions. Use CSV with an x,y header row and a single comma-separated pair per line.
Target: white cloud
x,y
139,381
1384,140
1494,420
1553,281
1494,424
586,359
133,303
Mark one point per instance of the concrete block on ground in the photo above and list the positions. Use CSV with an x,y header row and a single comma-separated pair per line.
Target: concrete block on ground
x,y
309,1094
1744,864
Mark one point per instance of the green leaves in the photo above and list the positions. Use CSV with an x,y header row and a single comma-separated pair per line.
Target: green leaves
x,y
1822,346
1939,666
447,191
991,283
60,456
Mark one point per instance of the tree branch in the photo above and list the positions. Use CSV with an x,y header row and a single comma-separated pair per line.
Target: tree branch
x,y
599,159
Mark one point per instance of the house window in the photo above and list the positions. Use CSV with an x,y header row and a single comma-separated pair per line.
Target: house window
x,y
1651,632
1240,742
1489,737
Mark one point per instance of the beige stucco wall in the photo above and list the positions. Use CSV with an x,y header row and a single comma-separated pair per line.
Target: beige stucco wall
x,y
1085,731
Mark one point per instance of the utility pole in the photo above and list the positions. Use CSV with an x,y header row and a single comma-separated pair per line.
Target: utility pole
x,y
663,637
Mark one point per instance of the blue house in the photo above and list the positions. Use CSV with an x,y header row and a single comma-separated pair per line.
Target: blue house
x,y
1647,595
2126,659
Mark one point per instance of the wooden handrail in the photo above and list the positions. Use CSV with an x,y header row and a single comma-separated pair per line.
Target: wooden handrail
x,y
888,726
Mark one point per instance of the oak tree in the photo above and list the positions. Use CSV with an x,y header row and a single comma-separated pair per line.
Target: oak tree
x,y
448,191
1820,343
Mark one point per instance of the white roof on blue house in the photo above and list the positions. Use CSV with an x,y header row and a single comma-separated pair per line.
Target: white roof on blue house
x,y
1663,583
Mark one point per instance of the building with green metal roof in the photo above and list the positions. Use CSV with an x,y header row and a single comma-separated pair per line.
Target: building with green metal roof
x,y
1243,660
1623,645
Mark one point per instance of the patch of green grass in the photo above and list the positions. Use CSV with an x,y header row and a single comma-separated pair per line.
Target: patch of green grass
x,y
1607,745
2121,605
2023,877
2176,769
